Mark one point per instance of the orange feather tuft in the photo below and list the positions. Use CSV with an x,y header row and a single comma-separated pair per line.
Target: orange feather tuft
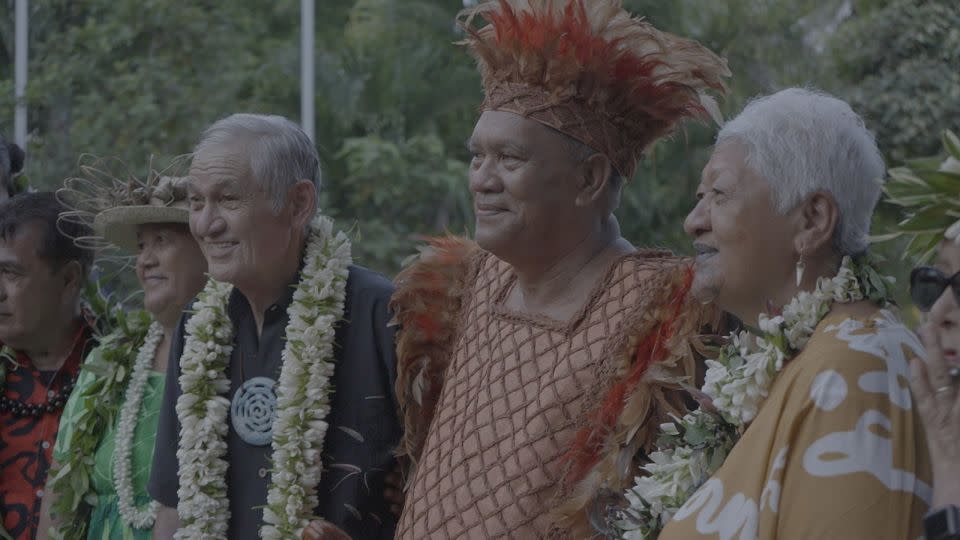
x,y
592,71
588,443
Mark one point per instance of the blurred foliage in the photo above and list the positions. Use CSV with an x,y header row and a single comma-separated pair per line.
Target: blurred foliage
x,y
396,99
901,62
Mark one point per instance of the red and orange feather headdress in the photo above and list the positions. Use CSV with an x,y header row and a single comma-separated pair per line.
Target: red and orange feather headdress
x,y
588,69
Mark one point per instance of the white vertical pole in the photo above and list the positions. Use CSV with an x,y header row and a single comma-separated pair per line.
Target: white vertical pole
x,y
20,75
306,68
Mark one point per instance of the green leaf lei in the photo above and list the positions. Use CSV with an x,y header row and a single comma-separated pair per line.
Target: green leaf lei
x,y
99,404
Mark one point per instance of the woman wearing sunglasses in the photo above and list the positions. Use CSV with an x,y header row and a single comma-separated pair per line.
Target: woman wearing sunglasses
x,y
935,290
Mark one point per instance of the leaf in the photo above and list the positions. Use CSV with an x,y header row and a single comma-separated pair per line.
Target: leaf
x,y
927,220
880,238
696,436
945,184
877,284
79,483
930,163
717,458
952,143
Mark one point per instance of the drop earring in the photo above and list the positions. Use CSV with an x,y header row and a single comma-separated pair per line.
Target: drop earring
x,y
800,268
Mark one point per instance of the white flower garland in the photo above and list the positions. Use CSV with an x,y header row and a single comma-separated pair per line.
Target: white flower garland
x,y
132,516
738,382
303,394
695,446
202,409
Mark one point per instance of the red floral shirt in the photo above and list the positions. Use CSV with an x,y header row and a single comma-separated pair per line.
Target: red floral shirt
x,y
26,444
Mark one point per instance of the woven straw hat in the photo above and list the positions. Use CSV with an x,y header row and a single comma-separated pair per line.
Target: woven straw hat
x,y
115,207
118,225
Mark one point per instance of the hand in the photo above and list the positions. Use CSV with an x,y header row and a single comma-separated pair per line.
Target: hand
x,y
393,490
937,396
324,530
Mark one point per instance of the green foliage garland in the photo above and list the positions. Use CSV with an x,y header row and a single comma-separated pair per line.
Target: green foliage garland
x,y
99,403
120,335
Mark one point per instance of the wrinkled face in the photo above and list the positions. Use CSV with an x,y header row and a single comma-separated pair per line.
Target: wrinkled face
x,y
170,267
944,316
744,247
523,182
33,292
232,218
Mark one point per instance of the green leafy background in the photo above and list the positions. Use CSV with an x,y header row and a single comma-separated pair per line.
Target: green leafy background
x,y
396,99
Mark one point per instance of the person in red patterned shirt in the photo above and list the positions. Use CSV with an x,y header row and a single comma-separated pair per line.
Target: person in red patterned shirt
x,y
43,339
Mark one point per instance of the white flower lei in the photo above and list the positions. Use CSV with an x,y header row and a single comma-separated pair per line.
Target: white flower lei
x,y
692,448
132,516
303,394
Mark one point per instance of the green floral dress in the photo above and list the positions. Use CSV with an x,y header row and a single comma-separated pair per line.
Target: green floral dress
x,y
105,522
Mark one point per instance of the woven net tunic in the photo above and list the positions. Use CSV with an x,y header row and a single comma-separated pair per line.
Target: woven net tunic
x,y
515,393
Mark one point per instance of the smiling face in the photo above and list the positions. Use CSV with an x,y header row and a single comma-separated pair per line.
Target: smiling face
x,y
170,267
745,249
944,316
233,220
524,185
34,294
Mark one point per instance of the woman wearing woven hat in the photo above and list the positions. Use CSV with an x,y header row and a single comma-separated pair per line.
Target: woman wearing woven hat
x,y
930,190
112,415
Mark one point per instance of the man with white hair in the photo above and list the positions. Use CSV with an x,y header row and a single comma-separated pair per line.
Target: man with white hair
x,y
279,406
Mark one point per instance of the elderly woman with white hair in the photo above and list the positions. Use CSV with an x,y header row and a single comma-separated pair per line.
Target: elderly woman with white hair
x,y
806,428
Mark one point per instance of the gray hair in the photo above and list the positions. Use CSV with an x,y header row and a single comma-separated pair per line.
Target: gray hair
x,y
280,152
802,141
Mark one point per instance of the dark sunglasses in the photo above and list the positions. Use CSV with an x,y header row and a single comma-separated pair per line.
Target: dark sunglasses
x,y
927,284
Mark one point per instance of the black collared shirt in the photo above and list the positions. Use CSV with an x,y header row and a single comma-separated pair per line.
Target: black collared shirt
x,y
364,427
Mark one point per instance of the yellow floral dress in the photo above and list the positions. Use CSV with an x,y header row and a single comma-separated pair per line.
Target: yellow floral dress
x,y
836,451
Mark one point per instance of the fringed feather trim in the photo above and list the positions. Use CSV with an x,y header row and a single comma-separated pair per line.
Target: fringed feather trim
x,y
426,306
656,361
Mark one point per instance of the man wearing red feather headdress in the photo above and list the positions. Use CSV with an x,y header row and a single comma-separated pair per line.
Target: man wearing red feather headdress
x,y
536,363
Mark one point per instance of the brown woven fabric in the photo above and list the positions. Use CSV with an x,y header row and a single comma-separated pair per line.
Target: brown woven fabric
x,y
574,117
516,391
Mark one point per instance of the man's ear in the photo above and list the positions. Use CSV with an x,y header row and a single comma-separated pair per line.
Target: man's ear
x,y
595,171
73,276
819,218
302,201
